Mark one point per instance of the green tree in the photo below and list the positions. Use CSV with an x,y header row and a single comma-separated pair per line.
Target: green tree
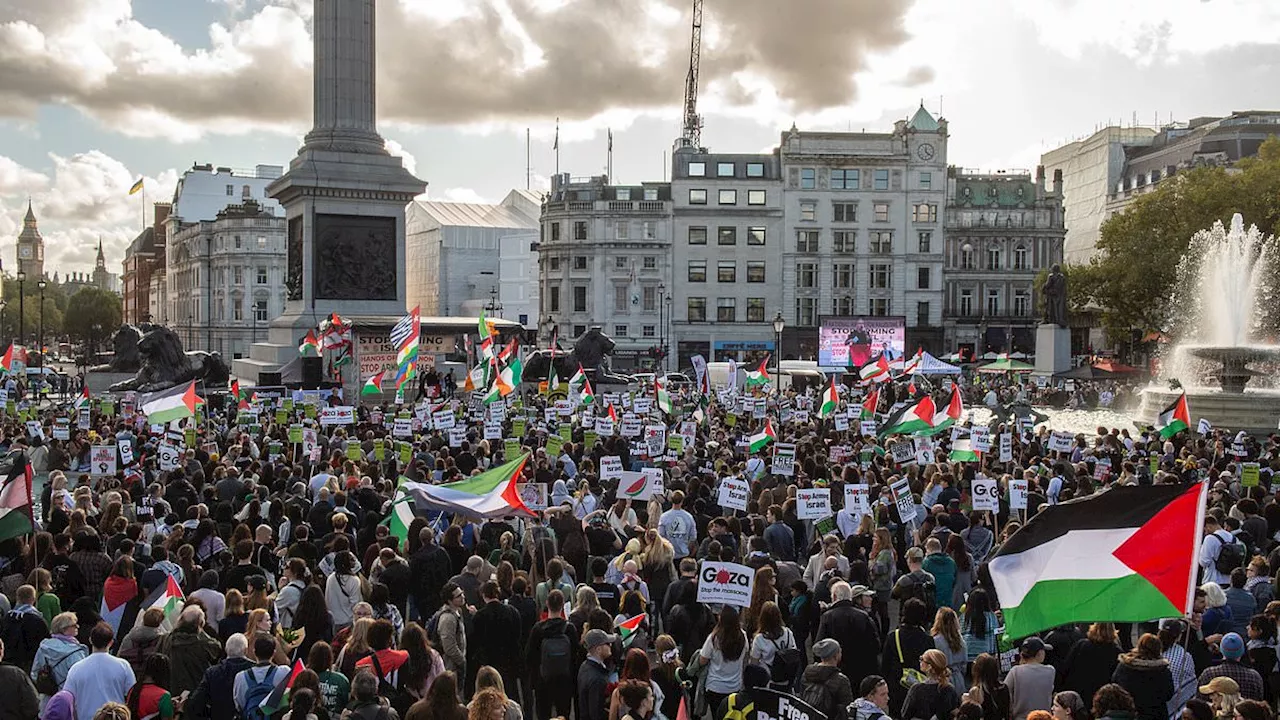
x,y
1132,275
29,307
93,315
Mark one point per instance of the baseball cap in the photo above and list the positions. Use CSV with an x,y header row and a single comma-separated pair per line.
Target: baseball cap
x,y
1221,684
915,553
1232,646
826,649
595,638
1033,645
858,591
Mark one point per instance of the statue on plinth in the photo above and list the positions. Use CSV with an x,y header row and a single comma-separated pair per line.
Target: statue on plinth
x,y
1055,297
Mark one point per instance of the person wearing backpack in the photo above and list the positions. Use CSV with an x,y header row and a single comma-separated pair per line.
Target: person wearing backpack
x,y
742,705
255,684
549,659
1220,553
57,654
775,648
825,687
23,629
917,583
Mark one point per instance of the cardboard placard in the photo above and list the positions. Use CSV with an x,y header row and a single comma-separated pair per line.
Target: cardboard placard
x,y
784,459
533,495
102,460
734,494
857,498
1017,494
337,415
813,503
986,494
725,583
610,467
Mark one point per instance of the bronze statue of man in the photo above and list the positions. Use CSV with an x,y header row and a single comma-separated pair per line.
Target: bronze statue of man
x,y
1055,297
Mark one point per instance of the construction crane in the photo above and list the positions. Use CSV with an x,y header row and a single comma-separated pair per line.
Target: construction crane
x,y
692,121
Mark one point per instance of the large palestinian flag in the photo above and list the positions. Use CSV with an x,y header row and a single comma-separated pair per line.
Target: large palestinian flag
x,y
15,499
491,494
948,416
1125,555
911,419
177,402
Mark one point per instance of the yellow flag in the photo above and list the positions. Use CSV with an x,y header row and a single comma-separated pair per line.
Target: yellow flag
x,y
136,187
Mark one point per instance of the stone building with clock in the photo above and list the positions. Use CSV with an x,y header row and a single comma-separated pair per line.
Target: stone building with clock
x,y
30,252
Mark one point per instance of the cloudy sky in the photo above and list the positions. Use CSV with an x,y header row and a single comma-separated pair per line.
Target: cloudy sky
x,y
95,93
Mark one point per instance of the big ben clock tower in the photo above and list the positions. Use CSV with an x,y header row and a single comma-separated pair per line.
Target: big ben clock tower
x,y
31,247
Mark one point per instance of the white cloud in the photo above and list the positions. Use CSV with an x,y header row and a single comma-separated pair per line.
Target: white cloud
x,y
406,157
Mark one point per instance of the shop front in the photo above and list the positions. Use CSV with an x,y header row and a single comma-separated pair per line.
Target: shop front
x,y
744,352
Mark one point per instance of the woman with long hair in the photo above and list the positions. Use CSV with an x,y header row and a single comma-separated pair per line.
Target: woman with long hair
x,y
978,626
772,637
584,603
947,640
424,664
312,616
935,697
664,672
1067,705
724,653
883,560
343,589
441,702
489,679
206,542
46,602
764,590
1091,661
149,698
234,620
635,666
1144,672
357,647
657,566
307,681
335,688
452,544
987,690
488,705
966,569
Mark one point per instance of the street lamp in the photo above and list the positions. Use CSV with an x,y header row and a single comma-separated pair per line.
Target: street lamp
x,y
548,329
778,326
40,341
670,333
22,306
662,318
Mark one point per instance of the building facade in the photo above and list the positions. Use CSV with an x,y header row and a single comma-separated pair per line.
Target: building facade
x,y
226,278
453,250
1002,230
863,230
727,236
141,259
518,279
604,259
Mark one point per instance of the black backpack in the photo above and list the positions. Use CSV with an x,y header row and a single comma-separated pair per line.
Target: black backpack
x,y
556,658
1231,554
927,592
786,664
819,697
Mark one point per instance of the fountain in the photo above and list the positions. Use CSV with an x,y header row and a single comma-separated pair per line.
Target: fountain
x,y
1225,285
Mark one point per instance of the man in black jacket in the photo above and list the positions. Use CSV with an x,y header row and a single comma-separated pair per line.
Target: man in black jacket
x,y
23,629
431,570
554,690
496,635
849,624
593,676
213,698
18,691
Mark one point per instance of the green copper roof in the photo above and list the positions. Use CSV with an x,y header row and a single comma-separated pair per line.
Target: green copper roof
x,y
979,192
922,120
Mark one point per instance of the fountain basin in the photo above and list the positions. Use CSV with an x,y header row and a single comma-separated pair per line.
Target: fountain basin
x,y
1255,412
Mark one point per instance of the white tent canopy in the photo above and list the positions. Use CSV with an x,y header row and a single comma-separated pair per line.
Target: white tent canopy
x,y
930,365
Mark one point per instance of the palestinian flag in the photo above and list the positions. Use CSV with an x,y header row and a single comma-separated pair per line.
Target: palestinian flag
x,y
627,629
15,499
877,371
962,451
168,599
911,419
1126,555
663,397
116,594
400,517
578,379
373,386
83,400
279,698
613,415
310,342
15,354
405,335
177,402
1175,418
756,443
588,395
911,366
760,376
553,380
948,417
870,404
830,399
491,494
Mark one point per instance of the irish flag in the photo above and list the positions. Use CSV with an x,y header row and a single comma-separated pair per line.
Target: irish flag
x,y
1175,418
950,415
627,629
911,419
179,401
490,494
761,374
830,399
373,385
756,443
870,404
15,499
1126,555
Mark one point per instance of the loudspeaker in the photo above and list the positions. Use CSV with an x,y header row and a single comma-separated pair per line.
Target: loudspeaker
x,y
312,372
269,379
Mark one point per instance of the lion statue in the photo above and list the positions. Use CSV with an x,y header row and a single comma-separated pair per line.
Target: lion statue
x,y
591,352
124,344
163,364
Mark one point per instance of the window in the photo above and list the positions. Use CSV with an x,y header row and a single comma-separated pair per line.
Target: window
x,y
726,310
651,194
879,307
697,271
922,314
880,181
807,275
922,278
698,197
579,262
623,194
237,308
808,178
879,277
755,309
1020,258
553,263
881,211
697,169
993,302
580,298
756,197
728,197
649,298
806,311
579,330
755,236
726,271
650,262
966,258
755,272
843,276
697,236
993,258
924,241
649,330
844,212
842,306
649,229
726,235
262,243
553,302
237,276
260,311
231,190
262,275
1021,303
622,230
808,211
926,180
555,232
724,169
620,330
881,242
697,309
755,170
237,242
807,241
924,212
966,303
579,230
619,298
620,262
844,241
845,179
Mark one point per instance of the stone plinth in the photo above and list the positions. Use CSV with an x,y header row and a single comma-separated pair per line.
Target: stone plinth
x,y
100,382
1253,412
1053,349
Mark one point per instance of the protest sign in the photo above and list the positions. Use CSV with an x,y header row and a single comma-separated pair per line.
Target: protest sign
x,y
1017,494
857,498
733,494
610,467
533,495
813,503
102,459
986,495
725,583
784,459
